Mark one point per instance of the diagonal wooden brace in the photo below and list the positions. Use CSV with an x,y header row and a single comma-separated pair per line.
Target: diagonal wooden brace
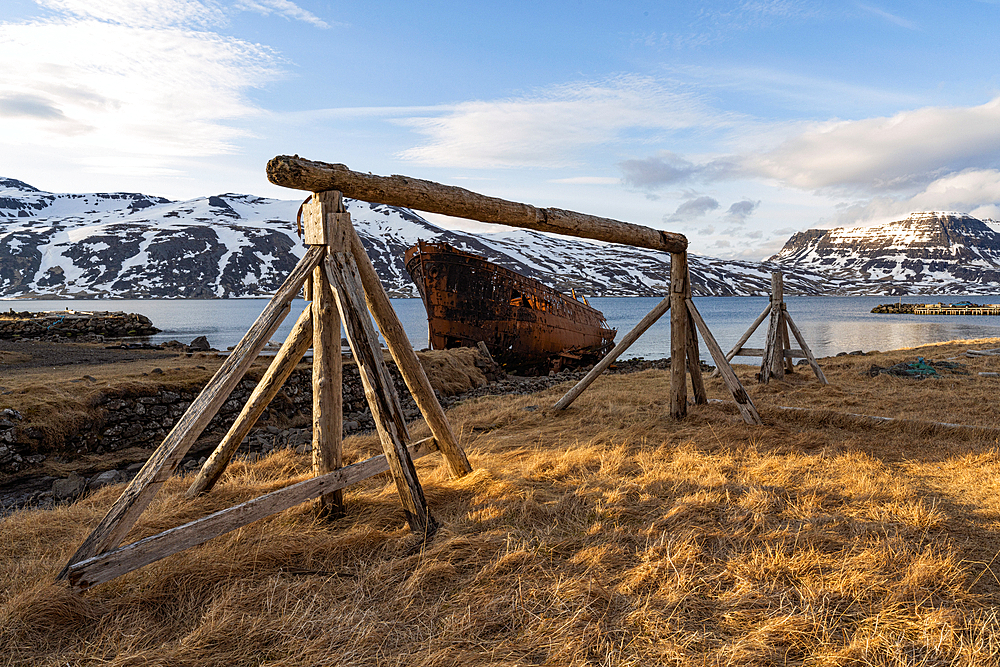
x,y
379,390
140,492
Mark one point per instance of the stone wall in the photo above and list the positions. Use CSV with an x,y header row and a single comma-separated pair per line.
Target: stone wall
x,y
144,420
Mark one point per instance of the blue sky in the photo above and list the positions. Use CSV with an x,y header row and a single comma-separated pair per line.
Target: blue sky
x,y
735,123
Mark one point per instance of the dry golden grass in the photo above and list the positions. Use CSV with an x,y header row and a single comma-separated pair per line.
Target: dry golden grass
x,y
605,535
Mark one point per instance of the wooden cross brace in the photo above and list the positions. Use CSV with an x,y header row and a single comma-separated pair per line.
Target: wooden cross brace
x,y
685,323
340,281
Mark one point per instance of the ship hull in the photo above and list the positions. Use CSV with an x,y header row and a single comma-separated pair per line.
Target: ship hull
x,y
524,323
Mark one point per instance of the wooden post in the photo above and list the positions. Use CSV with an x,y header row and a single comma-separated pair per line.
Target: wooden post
x,y
140,492
379,390
327,385
679,324
302,174
291,352
625,343
785,343
773,363
406,359
693,357
732,382
805,348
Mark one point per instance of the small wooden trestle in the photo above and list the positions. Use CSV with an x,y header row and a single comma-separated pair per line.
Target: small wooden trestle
x,y
776,354
685,324
340,281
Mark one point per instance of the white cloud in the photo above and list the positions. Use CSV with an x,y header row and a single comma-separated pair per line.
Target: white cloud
x,y
109,85
552,127
899,152
972,191
283,8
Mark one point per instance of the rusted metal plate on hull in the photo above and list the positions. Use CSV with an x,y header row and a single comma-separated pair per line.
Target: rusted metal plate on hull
x,y
524,323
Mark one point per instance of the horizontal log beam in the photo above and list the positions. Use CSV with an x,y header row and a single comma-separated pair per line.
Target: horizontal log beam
x,y
759,352
301,174
111,564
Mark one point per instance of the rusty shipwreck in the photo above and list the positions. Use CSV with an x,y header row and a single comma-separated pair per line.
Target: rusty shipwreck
x,y
525,324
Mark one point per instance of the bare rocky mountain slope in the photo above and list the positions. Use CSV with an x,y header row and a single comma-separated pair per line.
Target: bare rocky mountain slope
x,y
927,253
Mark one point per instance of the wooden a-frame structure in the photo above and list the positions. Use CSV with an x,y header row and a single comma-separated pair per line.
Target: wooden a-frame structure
x,y
776,355
339,282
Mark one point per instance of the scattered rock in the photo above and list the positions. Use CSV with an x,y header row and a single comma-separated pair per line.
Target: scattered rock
x,y
106,478
69,488
200,344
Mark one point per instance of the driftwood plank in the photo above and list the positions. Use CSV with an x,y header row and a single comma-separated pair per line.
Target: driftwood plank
x,y
379,390
742,398
291,352
625,343
406,359
301,174
140,492
107,566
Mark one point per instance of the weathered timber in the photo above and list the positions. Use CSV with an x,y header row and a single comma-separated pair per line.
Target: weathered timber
x,y
112,564
773,363
805,348
140,492
327,385
679,324
281,368
342,273
759,352
744,338
786,345
406,359
625,343
742,398
302,174
693,357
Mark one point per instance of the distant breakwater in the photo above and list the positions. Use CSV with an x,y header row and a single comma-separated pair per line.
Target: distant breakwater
x,y
73,324
961,308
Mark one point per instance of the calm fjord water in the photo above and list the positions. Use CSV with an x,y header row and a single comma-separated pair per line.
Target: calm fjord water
x,y
830,324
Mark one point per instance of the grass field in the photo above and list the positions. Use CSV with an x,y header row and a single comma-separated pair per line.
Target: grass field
x,y
608,534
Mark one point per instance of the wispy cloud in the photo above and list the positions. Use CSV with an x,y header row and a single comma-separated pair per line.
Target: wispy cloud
x,y
891,18
141,13
587,180
282,8
550,128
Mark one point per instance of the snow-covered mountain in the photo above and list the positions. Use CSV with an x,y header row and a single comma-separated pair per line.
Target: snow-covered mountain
x,y
127,245
928,253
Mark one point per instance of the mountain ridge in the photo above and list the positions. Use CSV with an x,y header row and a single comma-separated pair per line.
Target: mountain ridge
x,y
132,245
